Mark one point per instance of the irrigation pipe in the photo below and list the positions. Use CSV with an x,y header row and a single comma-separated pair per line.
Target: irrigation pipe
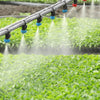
x,y
14,16
32,17
23,3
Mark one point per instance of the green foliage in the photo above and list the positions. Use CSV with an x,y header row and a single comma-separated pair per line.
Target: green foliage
x,y
37,77
83,32
25,14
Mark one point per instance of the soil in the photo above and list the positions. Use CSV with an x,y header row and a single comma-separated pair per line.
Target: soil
x,y
17,9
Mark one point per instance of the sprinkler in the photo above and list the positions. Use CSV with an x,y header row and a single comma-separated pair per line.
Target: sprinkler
x,y
7,36
24,27
52,14
84,0
75,3
65,8
39,21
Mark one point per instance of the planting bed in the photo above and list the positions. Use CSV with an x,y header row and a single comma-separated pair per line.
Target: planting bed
x,y
32,77
83,33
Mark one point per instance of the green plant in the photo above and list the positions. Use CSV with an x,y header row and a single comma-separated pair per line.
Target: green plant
x,y
36,77
83,32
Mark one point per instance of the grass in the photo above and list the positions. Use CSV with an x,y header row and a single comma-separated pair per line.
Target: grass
x,y
81,33
33,77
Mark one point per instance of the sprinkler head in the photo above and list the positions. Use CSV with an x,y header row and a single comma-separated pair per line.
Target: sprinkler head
x,y
52,14
52,17
75,3
65,8
84,0
24,27
7,36
39,21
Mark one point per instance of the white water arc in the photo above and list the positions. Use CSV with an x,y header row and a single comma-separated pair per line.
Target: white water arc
x,y
92,9
22,47
72,12
83,10
50,35
64,30
50,29
36,42
6,51
65,42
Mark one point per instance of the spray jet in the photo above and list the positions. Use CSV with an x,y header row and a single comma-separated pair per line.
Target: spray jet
x,y
52,14
7,36
24,27
39,19
65,8
75,3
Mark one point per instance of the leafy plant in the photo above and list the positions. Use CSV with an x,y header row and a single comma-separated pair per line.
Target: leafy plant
x,y
31,77
83,32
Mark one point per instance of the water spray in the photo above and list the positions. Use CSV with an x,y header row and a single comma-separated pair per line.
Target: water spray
x,y
7,36
52,14
24,27
75,3
65,8
39,19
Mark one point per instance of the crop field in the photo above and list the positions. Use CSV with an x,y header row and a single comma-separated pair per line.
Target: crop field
x,y
37,77
45,59
50,1
81,32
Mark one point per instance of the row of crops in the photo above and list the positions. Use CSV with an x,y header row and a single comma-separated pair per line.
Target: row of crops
x,y
81,33
54,77
51,1
32,77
